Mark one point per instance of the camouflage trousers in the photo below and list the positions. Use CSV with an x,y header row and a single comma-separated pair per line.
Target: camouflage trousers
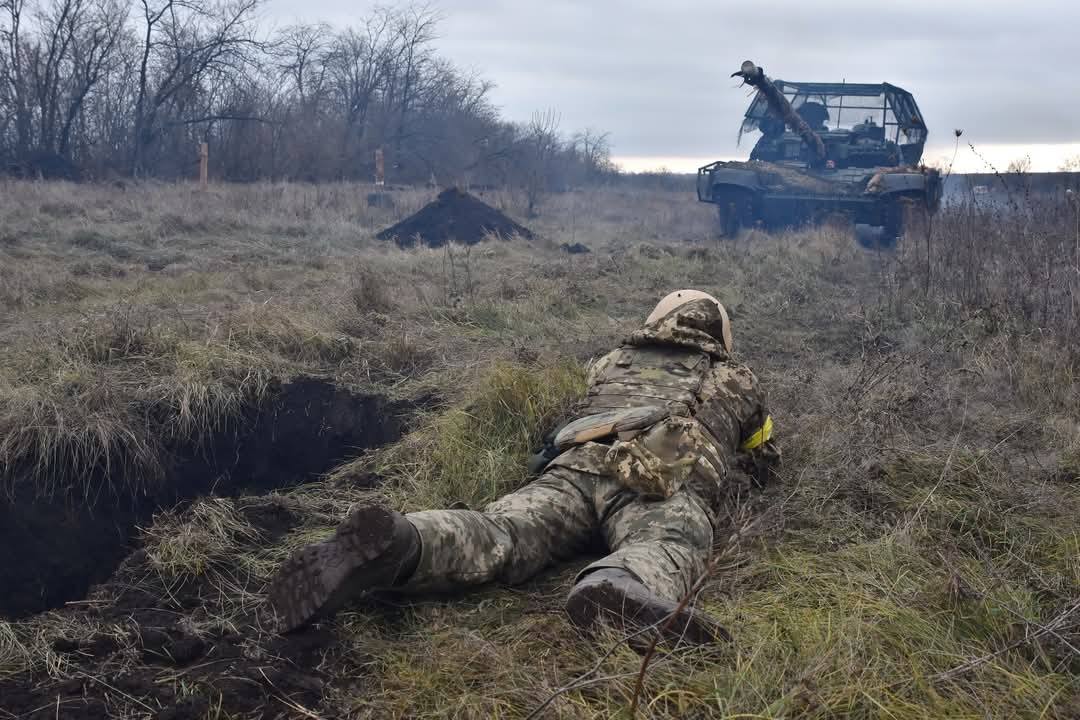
x,y
663,543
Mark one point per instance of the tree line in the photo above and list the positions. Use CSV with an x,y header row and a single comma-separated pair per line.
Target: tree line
x,y
101,89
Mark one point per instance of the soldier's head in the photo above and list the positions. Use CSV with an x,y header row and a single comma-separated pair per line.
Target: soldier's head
x,y
673,301
815,114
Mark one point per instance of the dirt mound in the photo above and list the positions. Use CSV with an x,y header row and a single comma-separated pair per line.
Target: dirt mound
x,y
454,215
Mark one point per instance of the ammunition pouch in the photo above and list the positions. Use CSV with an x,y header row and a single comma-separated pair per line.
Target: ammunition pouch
x,y
657,461
650,450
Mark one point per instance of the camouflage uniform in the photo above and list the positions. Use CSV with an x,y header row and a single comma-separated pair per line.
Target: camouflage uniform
x,y
653,496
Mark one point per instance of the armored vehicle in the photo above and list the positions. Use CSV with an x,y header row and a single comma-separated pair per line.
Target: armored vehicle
x,y
824,149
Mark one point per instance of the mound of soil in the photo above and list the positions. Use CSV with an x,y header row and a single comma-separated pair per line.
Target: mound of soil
x,y
454,215
57,548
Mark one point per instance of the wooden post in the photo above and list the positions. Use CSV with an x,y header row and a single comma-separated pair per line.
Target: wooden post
x,y
380,167
204,162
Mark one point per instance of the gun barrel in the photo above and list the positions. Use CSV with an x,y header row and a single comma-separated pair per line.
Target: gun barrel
x,y
755,76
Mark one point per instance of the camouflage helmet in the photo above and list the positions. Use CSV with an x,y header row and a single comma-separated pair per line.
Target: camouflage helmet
x,y
679,298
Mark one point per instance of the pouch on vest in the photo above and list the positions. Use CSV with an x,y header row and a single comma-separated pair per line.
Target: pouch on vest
x,y
608,424
657,462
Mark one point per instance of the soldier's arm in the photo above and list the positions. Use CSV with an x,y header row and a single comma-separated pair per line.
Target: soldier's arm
x,y
758,454
597,367
548,452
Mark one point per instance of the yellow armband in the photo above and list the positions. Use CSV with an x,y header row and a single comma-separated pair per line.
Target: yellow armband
x,y
763,435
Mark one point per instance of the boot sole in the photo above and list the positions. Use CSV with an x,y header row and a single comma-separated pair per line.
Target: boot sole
x,y
597,602
307,582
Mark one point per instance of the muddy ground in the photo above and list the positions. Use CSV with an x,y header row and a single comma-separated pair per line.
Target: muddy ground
x,y
167,649
147,661
67,543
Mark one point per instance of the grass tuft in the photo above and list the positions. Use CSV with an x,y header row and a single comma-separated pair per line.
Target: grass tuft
x,y
188,545
476,451
15,657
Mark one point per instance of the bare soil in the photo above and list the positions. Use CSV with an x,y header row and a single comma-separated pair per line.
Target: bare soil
x,y
150,647
67,543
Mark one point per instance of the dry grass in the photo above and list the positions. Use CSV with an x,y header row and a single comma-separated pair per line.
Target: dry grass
x,y
15,657
476,452
918,556
112,357
206,536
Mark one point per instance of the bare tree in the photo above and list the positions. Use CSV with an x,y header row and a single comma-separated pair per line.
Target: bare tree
x,y
93,54
300,53
539,144
109,87
46,60
1020,166
414,30
184,42
358,67
14,78
1070,164
594,151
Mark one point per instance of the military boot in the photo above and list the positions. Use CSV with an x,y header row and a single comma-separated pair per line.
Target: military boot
x,y
616,597
374,548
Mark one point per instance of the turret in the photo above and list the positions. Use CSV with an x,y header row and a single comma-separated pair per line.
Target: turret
x,y
755,76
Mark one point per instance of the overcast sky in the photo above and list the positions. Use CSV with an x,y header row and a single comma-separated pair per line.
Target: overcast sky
x,y
654,73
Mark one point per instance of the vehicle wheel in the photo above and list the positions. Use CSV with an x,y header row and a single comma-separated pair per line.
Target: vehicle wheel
x,y
895,216
873,238
840,221
735,211
892,222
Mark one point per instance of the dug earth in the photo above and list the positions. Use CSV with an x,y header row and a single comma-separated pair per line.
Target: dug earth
x,y
66,542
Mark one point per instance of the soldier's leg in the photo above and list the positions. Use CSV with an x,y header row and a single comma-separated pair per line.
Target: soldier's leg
x,y
376,548
665,544
512,539
373,546
659,550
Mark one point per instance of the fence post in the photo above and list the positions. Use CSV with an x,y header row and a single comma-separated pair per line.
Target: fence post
x,y
380,167
204,162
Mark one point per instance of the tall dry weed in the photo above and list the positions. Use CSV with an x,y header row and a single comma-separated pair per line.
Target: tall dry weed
x,y
1018,263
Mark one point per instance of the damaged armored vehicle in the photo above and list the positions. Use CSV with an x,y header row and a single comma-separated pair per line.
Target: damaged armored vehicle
x,y
825,149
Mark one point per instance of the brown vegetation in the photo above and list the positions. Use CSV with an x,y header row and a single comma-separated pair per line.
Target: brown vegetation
x,y
917,557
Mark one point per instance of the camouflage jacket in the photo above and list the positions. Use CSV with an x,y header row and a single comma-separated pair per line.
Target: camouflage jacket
x,y
718,409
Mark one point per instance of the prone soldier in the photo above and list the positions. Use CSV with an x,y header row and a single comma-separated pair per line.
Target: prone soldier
x,y
647,467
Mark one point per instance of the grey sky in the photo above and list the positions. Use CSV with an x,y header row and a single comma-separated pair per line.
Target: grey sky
x,y
654,73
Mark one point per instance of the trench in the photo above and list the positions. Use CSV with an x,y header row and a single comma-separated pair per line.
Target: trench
x,y
53,550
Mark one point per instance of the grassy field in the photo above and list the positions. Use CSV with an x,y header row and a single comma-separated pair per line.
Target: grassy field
x,y
918,555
